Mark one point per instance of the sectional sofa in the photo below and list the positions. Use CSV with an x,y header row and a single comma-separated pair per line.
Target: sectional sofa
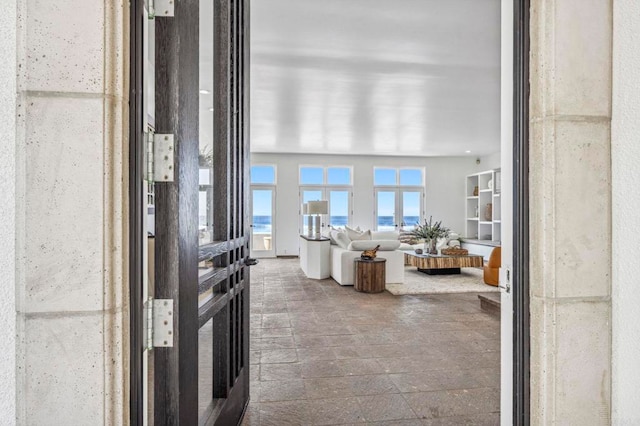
x,y
344,251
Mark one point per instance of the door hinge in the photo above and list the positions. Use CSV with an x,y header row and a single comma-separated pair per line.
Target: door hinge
x,y
158,322
160,156
161,8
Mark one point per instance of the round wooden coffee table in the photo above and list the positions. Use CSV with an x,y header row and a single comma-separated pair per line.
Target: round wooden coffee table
x,y
369,275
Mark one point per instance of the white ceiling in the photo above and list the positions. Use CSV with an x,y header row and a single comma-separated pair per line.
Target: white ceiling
x,y
381,77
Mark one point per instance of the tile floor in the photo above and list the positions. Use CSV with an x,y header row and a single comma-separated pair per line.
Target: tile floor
x,y
323,354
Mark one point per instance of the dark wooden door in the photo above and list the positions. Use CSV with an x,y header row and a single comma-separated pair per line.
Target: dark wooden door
x,y
201,219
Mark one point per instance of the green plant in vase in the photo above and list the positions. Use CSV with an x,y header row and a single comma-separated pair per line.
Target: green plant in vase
x,y
430,232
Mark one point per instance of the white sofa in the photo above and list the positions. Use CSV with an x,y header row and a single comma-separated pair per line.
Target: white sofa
x,y
343,268
344,253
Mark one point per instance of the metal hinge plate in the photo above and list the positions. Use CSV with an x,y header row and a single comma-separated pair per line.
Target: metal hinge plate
x,y
160,157
159,323
162,8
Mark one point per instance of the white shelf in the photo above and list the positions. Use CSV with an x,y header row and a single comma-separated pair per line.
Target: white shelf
x,y
478,226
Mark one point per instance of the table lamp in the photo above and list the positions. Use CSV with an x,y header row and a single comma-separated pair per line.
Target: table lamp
x,y
318,208
305,212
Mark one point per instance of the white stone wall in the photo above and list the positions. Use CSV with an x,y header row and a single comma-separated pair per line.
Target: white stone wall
x,y
625,134
71,204
570,212
7,212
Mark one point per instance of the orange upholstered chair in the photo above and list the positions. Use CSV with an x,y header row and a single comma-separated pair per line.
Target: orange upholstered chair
x,y
491,269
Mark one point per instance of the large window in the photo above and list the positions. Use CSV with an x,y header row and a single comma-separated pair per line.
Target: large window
x,y
263,180
399,197
331,183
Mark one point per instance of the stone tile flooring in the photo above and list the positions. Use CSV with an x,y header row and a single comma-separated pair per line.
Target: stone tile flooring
x,y
323,354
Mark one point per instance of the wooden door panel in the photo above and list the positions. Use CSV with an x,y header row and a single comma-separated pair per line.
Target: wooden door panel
x,y
204,378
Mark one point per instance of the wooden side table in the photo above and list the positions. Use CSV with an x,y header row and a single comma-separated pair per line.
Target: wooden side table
x,y
369,276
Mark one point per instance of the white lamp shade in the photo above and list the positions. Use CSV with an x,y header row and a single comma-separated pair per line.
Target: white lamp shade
x,y
318,207
305,208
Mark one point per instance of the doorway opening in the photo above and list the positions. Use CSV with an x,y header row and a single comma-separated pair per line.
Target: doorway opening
x,y
224,257
307,69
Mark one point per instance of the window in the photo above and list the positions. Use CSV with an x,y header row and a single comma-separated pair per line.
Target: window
x,y
265,175
394,177
339,176
399,196
331,183
385,176
311,175
263,190
411,177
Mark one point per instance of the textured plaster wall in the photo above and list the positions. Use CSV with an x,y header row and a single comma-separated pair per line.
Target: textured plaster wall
x,y
7,212
71,204
570,214
444,190
625,134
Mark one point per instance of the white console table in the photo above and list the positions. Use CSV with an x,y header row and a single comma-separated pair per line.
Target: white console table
x,y
315,257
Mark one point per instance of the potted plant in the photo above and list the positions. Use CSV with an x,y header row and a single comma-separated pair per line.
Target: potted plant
x,y
430,232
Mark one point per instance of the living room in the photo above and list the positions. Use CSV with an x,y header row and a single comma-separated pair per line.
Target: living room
x,y
441,185
386,126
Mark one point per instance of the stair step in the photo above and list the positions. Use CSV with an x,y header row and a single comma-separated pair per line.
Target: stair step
x,y
490,302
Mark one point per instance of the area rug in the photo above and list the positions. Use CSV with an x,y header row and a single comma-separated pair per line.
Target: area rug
x,y
468,281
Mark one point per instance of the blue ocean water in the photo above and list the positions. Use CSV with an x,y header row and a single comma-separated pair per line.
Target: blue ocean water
x,y
388,223
263,224
339,221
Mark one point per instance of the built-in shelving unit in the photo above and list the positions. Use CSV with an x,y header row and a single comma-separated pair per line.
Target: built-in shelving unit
x,y
483,206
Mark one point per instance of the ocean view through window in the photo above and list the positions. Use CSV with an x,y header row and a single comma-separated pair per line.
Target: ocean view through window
x,y
330,183
399,198
263,180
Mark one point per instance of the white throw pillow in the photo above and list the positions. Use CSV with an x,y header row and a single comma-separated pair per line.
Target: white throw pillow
x,y
454,243
352,231
355,235
342,239
385,245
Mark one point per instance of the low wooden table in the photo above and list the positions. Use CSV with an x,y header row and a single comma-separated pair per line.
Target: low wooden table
x,y
433,264
369,275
